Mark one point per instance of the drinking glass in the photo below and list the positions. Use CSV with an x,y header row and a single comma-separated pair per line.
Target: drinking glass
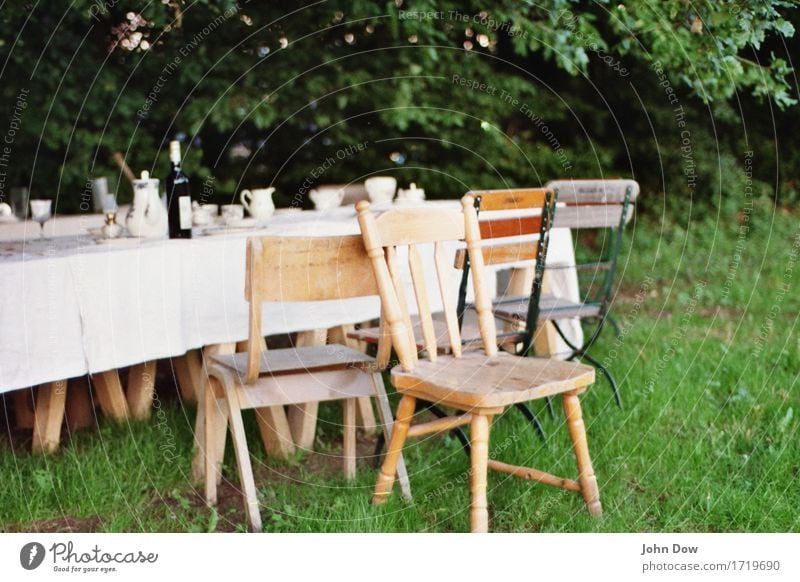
x,y
41,211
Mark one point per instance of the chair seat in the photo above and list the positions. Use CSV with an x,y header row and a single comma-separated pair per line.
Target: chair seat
x,y
550,308
479,381
302,359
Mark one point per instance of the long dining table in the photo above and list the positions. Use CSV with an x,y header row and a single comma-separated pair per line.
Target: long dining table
x,y
73,305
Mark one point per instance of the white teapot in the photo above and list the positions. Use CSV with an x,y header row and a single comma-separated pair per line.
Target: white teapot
x,y
258,202
148,216
411,194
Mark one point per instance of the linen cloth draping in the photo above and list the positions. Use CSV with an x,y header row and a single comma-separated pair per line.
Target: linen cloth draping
x,y
70,305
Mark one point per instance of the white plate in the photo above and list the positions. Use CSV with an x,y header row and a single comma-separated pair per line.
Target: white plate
x,y
120,241
242,223
223,230
280,211
8,218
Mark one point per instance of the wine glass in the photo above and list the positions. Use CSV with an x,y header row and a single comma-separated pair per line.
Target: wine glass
x,y
41,211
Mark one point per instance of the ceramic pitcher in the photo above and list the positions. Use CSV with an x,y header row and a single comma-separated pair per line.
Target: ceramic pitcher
x,y
148,215
258,202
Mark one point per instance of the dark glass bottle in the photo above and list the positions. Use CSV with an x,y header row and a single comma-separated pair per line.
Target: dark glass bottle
x,y
179,198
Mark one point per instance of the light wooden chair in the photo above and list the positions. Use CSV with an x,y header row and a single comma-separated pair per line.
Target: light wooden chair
x,y
517,223
480,383
292,269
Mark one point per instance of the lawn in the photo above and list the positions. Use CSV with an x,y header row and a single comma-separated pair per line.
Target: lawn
x,y
707,440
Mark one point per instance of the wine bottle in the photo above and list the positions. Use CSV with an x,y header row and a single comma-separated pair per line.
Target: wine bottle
x,y
179,198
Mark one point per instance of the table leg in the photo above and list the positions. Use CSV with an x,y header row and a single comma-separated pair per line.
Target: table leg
x,y
545,338
275,431
141,386
23,408
80,413
189,371
110,395
49,416
519,285
303,417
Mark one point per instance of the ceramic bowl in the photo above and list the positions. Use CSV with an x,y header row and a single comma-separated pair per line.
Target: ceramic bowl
x,y
325,198
380,188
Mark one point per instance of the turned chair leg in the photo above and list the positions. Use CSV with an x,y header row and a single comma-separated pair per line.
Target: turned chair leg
x,y
349,447
383,486
577,432
479,456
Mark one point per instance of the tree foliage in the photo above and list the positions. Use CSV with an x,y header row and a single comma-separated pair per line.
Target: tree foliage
x,y
452,95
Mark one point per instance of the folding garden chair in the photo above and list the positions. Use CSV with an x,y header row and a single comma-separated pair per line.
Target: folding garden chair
x,y
480,382
587,204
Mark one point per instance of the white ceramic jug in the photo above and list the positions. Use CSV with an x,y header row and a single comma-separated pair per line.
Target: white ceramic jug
x,y
148,215
258,202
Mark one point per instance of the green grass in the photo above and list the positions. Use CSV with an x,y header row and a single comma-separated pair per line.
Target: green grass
x,y
707,440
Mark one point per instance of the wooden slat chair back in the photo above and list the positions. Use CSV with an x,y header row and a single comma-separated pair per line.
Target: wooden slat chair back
x,y
292,269
411,227
301,269
480,383
601,203
510,240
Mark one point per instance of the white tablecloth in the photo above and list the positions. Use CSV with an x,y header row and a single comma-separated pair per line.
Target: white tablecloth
x,y
71,306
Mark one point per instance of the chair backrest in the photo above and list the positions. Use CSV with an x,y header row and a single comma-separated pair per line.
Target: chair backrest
x,y
510,219
302,269
597,203
407,228
593,204
518,220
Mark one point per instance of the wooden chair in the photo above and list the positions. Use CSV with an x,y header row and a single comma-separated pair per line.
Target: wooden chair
x,y
292,269
517,222
587,204
480,383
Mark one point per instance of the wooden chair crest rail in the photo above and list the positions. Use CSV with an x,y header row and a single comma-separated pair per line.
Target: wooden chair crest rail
x,y
480,383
